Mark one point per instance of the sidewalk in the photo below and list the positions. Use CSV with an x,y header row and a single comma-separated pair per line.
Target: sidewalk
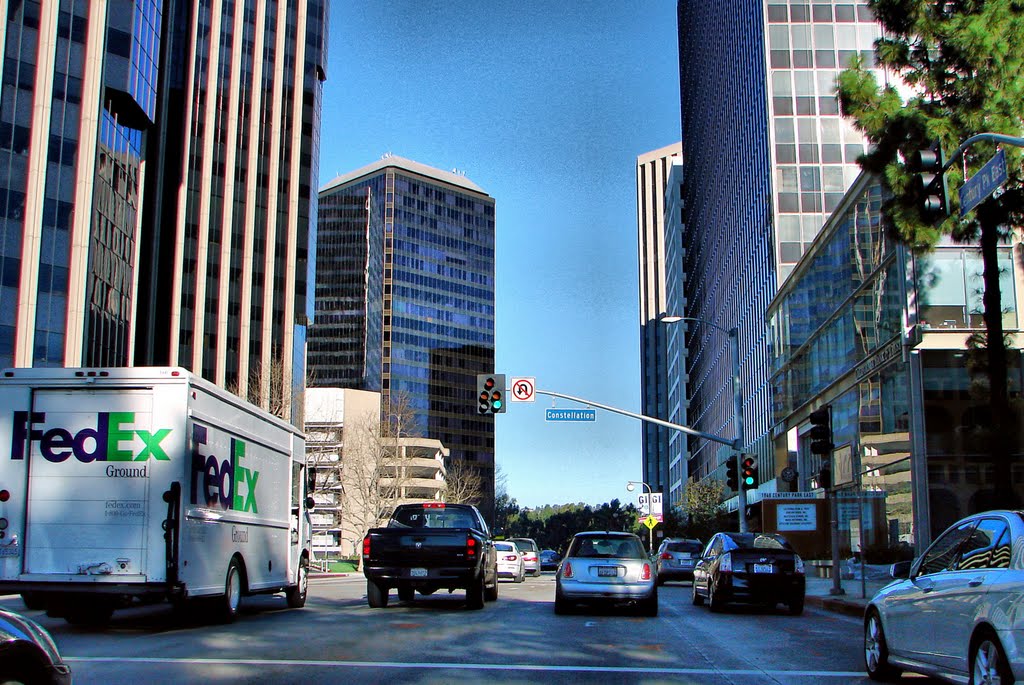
x,y
856,593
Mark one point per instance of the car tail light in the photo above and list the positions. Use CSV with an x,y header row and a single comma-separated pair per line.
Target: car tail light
x,y
567,570
645,574
470,546
725,565
5,495
798,564
666,555
366,546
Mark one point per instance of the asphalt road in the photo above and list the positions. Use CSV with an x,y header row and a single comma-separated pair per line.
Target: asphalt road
x,y
337,638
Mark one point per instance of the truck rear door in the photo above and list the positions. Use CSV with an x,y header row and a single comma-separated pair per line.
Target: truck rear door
x,y
96,466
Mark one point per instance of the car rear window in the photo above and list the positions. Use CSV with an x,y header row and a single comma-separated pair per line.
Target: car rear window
x,y
526,545
684,547
505,547
610,547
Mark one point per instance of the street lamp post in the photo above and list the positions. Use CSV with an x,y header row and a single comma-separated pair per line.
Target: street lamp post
x,y
630,486
737,399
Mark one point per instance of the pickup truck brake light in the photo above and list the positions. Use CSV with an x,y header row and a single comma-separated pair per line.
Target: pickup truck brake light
x,y
470,546
433,505
366,546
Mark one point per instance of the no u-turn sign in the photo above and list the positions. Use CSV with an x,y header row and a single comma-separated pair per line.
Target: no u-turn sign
x,y
523,389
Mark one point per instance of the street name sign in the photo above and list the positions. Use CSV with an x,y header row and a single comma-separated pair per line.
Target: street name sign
x,y
978,187
570,415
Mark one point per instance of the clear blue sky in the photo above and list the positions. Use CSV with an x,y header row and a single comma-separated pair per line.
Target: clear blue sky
x,y
545,105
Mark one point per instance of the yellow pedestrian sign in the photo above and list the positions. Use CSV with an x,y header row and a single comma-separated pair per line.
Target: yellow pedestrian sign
x,y
650,521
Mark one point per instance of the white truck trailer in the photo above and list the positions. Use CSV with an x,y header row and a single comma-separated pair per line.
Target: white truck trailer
x,y
124,486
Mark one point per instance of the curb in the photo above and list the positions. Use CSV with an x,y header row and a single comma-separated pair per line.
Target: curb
x,y
836,604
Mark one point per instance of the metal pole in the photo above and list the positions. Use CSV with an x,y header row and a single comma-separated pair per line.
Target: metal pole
x,y
737,408
650,512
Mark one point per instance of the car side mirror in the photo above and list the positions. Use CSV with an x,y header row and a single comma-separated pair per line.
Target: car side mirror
x,y
901,569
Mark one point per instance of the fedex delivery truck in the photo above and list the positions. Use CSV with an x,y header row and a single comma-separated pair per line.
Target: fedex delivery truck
x,y
124,486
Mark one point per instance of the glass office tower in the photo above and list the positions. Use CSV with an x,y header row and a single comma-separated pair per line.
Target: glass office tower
x,y
438,297
78,95
767,160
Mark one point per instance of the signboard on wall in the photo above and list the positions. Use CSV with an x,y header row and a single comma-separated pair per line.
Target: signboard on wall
x,y
796,517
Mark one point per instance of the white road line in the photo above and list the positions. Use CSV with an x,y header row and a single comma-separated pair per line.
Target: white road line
x,y
464,667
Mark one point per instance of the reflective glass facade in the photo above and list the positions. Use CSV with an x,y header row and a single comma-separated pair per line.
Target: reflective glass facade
x,y
346,339
850,329
438,297
728,270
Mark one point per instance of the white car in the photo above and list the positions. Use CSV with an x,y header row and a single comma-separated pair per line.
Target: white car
x,y
510,561
957,611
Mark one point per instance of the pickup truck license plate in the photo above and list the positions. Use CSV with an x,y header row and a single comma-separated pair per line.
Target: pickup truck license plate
x,y
607,571
762,568
10,550
418,572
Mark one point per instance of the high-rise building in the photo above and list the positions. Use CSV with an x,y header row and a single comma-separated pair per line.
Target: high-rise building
x,y
768,158
78,94
652,172
155,203
437,266
229,213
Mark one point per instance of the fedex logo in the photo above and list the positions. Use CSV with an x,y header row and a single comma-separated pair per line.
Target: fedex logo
x,y
113,439
220,484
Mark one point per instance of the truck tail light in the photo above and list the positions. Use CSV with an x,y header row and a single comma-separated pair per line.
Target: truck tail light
x,y
5,495
567,570
645,574
366,546
470,546
725,565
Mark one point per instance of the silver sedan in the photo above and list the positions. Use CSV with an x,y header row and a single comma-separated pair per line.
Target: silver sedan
x,y
957,612
609,568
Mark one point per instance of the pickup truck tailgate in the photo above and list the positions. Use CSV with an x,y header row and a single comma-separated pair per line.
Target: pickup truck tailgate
x,y
429,548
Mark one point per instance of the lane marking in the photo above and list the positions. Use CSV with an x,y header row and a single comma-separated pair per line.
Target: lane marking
x,y
321,663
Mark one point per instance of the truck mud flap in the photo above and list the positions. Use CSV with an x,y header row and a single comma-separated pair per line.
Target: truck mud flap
x,y
172,527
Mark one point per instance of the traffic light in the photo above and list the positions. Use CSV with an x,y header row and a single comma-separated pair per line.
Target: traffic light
x,y
490,391
732,473
929,184
748,474
821,431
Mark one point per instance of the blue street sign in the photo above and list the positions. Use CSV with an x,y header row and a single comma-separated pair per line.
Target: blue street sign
x,y
570,415
978,187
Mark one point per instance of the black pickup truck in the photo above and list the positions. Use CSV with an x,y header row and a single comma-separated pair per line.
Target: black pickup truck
x,y
428,547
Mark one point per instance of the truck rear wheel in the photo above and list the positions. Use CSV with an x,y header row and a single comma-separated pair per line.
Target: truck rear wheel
x,y
476,594
491,593
232,597
376,596
91,613
296,595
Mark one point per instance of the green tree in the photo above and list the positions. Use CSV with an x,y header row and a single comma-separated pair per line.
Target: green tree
x,y
702,505
962,63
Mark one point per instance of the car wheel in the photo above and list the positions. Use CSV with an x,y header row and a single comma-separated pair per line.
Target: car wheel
x,y
697,599
376,596
521,577
475,594
296,595
649,607
715,602
406,593
988,663
561,604
796,606
876,651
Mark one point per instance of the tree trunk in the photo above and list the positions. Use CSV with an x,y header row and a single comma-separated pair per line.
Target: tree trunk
x,y
1002,429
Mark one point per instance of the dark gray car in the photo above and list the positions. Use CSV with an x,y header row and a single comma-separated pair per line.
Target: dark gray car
x,y
676,558
28,654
